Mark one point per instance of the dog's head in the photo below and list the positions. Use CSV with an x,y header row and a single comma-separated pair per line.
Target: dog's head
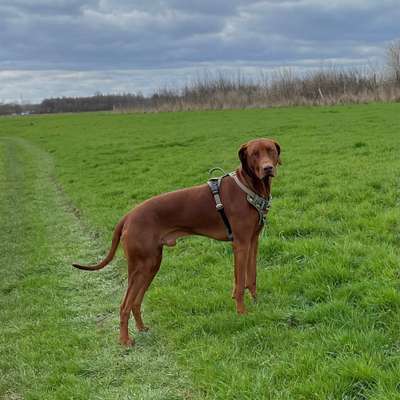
x,y
260,157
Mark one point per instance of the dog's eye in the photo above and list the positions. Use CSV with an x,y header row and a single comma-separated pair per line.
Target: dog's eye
x,y
256,153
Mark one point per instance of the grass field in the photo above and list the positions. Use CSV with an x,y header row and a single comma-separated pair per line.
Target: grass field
x,y
327,324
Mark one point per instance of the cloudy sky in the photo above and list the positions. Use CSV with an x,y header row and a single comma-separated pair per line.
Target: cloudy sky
x,y
54,48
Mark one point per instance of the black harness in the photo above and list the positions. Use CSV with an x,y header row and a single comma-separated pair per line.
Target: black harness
x,y
261,204
215,184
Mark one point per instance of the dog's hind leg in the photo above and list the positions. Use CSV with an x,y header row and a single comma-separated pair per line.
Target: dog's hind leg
x,y
150,273
141,271
135,283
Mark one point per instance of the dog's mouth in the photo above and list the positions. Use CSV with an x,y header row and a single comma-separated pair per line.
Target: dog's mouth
x,y
267,171
267,175
266,178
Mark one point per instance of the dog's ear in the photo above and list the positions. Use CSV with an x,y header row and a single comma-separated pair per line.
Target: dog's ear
x,y
278,148
243,159
242,154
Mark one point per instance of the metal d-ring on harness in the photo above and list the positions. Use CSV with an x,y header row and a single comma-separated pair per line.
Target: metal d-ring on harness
x,y
261,204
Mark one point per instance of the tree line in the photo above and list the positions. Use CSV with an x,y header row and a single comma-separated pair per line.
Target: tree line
x,y
221,90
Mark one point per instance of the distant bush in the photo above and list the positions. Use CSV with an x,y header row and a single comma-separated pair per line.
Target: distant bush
x,y
393,61
221,90
283,88
18,109
7,109
326,86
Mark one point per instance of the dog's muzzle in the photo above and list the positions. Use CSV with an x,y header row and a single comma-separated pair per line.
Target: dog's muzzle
x,y
269,170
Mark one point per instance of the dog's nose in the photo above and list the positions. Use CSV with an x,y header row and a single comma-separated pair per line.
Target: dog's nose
x,y
268,169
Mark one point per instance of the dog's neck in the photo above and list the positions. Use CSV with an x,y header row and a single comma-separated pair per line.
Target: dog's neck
x,y
260,186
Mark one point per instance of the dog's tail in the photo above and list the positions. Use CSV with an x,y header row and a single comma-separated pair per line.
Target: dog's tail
x,y
111,253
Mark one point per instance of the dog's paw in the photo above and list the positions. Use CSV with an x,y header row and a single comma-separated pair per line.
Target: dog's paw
x,y
127,342
241,309
143,328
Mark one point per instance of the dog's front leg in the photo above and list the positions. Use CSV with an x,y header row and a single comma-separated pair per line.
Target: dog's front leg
x,y
241,251
251,270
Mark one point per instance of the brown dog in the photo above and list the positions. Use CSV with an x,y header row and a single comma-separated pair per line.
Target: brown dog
x,y
161,220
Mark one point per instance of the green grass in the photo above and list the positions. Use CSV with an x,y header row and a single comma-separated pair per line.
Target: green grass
x,y
328,319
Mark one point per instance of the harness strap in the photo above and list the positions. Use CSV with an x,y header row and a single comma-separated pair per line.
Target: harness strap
x,y
261,204
214,184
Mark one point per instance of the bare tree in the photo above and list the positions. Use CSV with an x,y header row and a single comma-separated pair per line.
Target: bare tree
x,y
393,59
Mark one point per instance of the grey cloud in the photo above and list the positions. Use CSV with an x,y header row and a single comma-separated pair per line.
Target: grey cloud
x,y
105,35
125,34
374,21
